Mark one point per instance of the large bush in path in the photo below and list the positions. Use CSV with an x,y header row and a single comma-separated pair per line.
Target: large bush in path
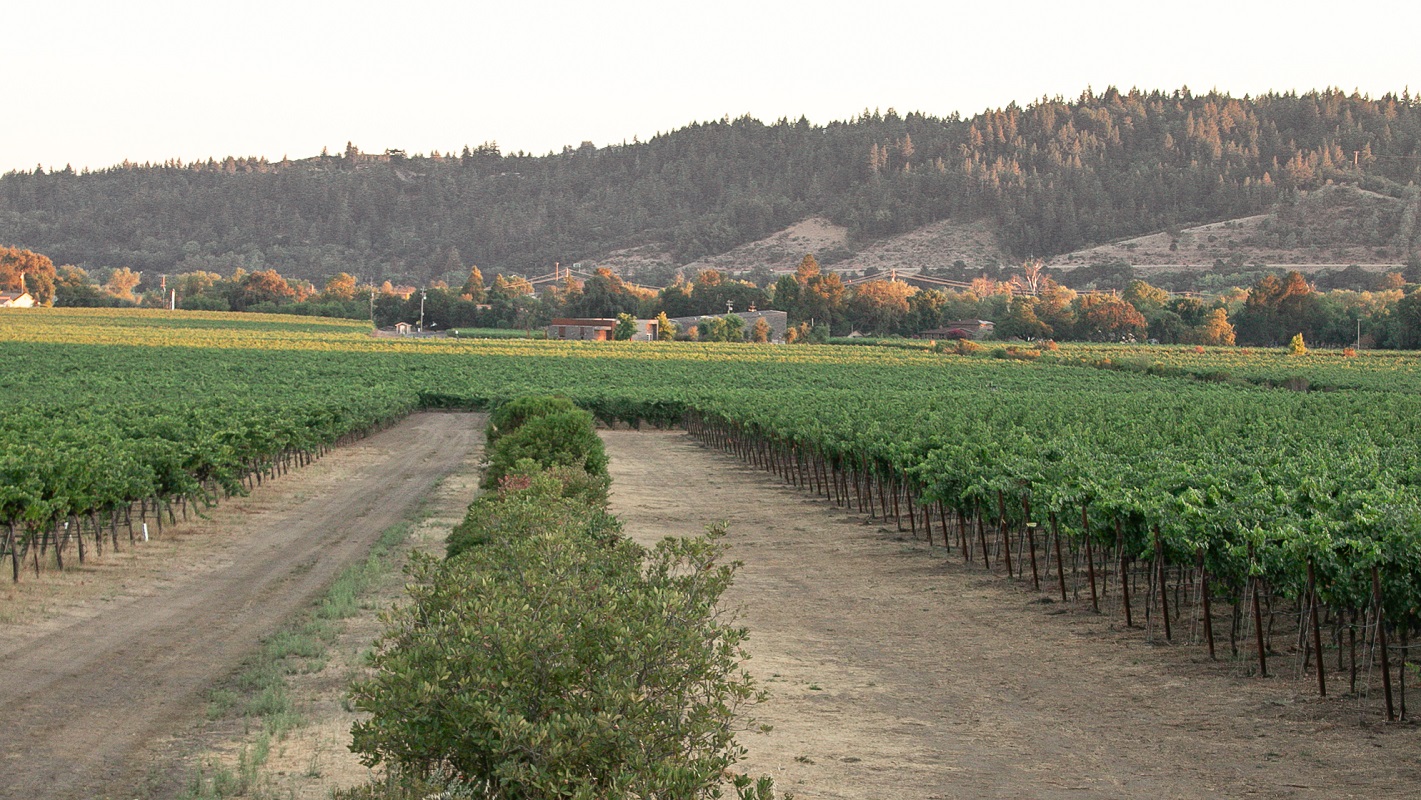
x,y
551,665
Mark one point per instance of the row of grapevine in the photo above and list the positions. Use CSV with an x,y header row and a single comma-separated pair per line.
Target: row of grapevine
x,y
1328,525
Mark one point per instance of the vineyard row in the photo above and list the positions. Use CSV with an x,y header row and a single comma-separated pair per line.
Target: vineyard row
x,y
1177,600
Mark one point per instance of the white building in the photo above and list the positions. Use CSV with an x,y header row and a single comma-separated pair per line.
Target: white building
x,y
16,300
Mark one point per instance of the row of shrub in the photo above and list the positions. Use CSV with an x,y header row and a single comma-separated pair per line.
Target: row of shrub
x,y
610,410
550,656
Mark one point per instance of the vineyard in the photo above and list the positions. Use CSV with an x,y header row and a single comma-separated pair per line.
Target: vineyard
x,y
1187,492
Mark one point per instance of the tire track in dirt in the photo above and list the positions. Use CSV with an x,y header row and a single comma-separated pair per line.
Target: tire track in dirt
x,y
85,707
895,672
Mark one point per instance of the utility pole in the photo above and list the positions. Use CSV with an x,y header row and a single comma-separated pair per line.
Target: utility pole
x,y
421,310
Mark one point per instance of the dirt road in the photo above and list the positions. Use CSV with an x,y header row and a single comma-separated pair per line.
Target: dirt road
x,y
88,697
896,672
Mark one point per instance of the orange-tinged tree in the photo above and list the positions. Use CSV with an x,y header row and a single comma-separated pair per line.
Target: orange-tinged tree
x,y
262,286
122,282
879,306
25,270
1216,329
1106,318
341,286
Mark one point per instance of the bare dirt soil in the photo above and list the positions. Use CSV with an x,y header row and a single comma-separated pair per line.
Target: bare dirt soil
x,y
100,666
896,671
313,758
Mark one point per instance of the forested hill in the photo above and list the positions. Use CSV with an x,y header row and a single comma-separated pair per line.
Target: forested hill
x,y
1054,177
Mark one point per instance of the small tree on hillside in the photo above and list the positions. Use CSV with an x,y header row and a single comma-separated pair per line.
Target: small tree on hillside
x,y
760,334
1296,346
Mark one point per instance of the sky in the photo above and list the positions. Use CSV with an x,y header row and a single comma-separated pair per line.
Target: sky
x,y
90,84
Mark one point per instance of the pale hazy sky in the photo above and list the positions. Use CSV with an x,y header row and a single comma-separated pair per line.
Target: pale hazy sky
x,y
92,83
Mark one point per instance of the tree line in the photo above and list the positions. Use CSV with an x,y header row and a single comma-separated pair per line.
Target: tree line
x,y
1053,176
1106,303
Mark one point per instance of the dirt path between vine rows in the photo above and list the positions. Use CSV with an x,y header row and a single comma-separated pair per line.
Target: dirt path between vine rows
x,y
97,677
897,672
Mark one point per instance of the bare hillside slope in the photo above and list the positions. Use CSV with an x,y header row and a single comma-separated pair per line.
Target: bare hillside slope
x,y
1326,229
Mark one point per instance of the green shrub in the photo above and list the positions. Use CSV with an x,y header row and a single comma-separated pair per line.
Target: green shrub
x,y
539,666
548,655
563,499
508,417
581,486
561,439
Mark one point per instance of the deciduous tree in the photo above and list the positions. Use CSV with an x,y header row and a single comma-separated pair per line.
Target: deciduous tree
x,y
121,284
340,287
29,271
473,287
1106,318
1216,329
879,306
625,327
262,286
1021,322
666,330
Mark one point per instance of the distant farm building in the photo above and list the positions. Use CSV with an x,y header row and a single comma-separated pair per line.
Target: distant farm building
x,y
960,329
646,331
401,329
16,300
584,329
599,329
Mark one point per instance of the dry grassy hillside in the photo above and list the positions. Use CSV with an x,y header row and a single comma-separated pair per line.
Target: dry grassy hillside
x,y
633,260
783,250
1327,229
1330,228
937,245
